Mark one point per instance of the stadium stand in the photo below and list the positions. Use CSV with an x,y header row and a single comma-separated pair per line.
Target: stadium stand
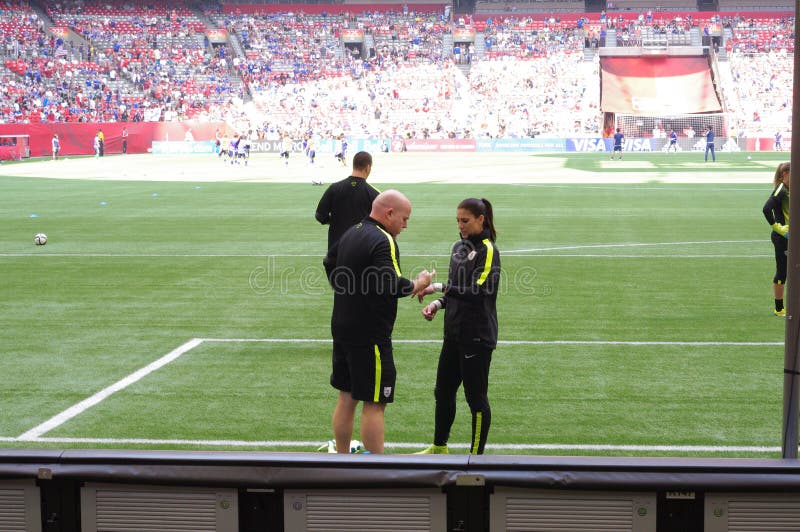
x,y
754,5
380,70
533,6
655,5
761,93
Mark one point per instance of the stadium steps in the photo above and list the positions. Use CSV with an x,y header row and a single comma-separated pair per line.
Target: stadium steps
x,y
198,12
447,45
369,44
236,81
76,38
727,83
480,44
40,12
727,34
695,39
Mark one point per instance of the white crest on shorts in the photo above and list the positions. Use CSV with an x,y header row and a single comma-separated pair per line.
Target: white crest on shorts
x,y
387,391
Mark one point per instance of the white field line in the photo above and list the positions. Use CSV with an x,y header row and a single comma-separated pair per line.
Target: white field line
x,y
89,402
611,186
409,445
504,342
168,255
511,251
35,434
631,245
515,253
545,255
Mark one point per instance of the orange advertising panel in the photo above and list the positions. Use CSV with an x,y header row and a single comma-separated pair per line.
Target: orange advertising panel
x,y
59,31
657,85
463,35
217,35
352,35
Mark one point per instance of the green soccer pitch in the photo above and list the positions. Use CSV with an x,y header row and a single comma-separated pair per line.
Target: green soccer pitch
x,y
635,307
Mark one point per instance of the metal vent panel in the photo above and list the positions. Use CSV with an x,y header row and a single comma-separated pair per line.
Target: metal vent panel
x,y
354,511
121,510
20,506
753,512
569,514
12,510
517,510
138,509
768,516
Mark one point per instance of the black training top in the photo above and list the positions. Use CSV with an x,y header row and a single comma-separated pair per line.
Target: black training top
x,y
470,295
363,268
344,204
776,209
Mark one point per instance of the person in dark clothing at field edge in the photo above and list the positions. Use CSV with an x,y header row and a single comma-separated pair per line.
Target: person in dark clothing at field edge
x,y
363,267
469,302
347,202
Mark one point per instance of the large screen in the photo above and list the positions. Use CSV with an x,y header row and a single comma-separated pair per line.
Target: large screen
x,y
657,86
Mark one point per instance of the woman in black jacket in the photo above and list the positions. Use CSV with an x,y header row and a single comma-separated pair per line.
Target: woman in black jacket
x,y
776,211
470,324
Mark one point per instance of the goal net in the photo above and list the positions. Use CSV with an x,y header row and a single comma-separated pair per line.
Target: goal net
x,y
659,126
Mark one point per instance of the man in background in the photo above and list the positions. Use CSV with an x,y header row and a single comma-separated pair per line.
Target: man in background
x,y
347,202
124,140
56,146
618,138
673,141
710,144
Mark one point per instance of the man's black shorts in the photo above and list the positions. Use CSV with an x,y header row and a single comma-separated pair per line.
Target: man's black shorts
x,y
366,371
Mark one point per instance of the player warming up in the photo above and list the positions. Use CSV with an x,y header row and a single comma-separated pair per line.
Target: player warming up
x,y
710,144
341,150
286,148
618,138
673,141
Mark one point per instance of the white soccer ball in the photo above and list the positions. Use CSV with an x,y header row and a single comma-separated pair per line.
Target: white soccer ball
x,y
749,158
40,239
356,446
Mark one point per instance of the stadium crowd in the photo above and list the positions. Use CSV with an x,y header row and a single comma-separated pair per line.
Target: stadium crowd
x,y
106,60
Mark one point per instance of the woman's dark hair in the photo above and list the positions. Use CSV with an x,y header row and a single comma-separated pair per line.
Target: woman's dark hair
x,y
481,207
782,168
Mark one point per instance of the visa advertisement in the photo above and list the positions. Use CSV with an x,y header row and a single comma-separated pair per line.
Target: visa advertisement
x,y
598,144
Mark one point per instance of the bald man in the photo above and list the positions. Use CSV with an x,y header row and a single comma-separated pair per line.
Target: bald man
x,y
363,268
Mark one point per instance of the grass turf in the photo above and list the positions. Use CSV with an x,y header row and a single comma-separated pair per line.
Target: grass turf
x,y
134,269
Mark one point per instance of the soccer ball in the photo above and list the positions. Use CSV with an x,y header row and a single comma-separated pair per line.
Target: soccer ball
x,y
749,158
40,239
